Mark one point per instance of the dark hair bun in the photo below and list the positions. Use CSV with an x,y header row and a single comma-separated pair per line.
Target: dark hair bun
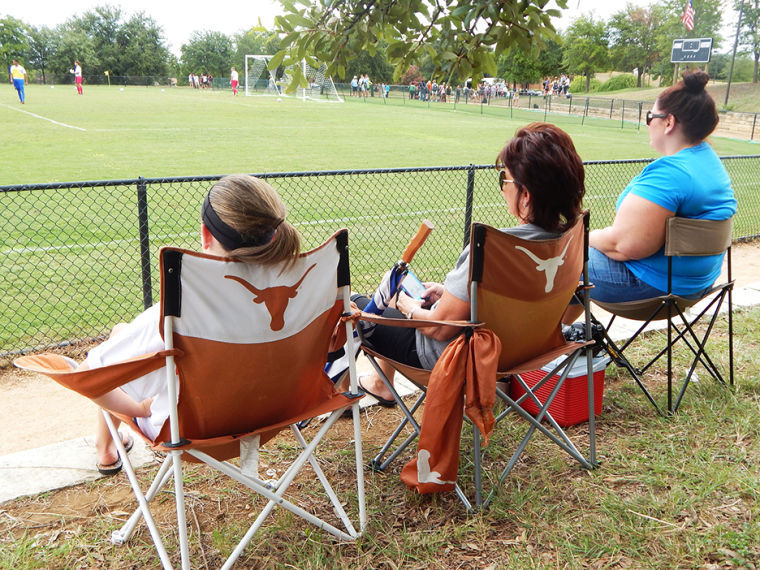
x,y
695,81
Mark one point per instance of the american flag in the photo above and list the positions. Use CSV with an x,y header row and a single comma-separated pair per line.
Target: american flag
x,y
688,16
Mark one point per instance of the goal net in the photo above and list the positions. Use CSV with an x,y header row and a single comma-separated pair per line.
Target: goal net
x,y
259,80
319,86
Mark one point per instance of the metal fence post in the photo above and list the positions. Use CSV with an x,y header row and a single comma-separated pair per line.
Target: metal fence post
x,y
142,222
585,113
469,197
612,105
622,115
754,122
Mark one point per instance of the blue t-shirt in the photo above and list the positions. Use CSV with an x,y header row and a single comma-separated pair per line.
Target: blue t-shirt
x,y
693,184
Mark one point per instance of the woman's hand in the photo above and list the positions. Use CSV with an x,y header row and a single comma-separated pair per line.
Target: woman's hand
x,y
433,292
145,405
406,304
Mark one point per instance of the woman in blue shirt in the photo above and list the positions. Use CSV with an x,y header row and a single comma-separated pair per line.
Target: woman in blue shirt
x,y
626,260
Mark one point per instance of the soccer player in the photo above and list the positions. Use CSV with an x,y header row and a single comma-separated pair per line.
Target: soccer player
x,y
234,81
17,75
77,71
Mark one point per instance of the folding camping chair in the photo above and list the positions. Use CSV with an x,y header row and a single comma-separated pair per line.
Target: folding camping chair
x,y
683,237
519,289
245,349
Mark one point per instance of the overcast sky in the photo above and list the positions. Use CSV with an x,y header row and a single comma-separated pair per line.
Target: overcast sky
x,y
179,18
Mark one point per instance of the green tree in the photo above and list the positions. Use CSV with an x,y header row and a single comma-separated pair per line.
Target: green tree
x,y
521,67
209,52
750,32
142,48
633,39
707,21
467,33
43,44
75,45
14,42
586,47
375,65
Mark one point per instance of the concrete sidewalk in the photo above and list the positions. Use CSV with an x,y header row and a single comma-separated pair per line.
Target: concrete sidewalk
x,y
71,462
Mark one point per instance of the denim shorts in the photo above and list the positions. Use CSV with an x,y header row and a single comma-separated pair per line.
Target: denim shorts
x,y
615,283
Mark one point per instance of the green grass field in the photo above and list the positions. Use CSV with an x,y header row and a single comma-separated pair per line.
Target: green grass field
x,y
144,131
65,250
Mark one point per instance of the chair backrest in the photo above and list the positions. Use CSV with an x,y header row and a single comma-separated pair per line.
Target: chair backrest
x,y
690,237
522,288
254,338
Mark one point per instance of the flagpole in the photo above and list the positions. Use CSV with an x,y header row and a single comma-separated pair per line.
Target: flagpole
x,y
733,56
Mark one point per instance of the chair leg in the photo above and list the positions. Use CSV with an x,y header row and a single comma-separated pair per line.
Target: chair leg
x,y
621,361
377,463
142,502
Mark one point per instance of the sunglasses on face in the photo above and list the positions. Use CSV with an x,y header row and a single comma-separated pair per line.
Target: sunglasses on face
x,y
503,179
651,116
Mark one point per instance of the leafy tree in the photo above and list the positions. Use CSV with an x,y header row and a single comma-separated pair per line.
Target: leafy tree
x,y
467,33
208,52
411,75
98,30
75,45
633,39
255,41
750,32
142,47
376,65
586,47
707,20
43,43
14,43
519,66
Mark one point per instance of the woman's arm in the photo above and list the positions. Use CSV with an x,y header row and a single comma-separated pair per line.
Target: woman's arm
x,y
449,308
119,402
637,231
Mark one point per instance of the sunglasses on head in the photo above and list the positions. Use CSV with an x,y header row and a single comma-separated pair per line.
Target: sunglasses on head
x,y
651,116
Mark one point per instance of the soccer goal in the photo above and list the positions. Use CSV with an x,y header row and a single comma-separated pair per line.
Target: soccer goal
x,y
259,80
319,86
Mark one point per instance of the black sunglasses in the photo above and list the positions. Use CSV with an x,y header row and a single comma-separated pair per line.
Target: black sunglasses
x,y
651,116
503,179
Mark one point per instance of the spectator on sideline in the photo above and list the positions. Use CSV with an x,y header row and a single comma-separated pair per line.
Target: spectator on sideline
x,y
627,260
234,80
541,179
17,75
354,87
243,217
77,71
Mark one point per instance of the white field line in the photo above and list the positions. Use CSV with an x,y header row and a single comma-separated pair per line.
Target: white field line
x,y
45,118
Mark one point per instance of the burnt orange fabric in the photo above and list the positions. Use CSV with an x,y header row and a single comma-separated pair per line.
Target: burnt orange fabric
x,y
96,382
463,378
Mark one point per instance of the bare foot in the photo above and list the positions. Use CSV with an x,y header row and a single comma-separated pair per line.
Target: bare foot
x,y
375,386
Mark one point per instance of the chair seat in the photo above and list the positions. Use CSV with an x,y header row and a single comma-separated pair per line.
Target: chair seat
x,y
644,309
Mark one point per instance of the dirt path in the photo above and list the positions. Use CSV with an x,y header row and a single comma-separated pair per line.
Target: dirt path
x,y
35,411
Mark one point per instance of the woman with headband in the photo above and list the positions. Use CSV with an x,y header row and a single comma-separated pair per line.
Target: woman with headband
x,y
242,217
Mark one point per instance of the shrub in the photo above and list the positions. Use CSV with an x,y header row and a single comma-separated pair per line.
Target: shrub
x,y
619,82
578,85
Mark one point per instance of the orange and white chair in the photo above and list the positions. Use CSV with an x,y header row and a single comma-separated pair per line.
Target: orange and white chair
x,y
519,291
245,349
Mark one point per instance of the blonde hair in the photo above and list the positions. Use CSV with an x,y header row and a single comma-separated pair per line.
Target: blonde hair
x,y
253,208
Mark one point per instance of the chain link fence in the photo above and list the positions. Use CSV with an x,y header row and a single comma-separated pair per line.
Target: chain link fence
x,y
79,257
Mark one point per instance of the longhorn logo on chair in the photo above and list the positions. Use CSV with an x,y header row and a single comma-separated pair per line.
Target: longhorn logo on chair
x,y
548,266
275,299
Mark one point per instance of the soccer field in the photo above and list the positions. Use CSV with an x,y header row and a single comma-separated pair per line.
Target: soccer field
x,y
160,132
66,250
